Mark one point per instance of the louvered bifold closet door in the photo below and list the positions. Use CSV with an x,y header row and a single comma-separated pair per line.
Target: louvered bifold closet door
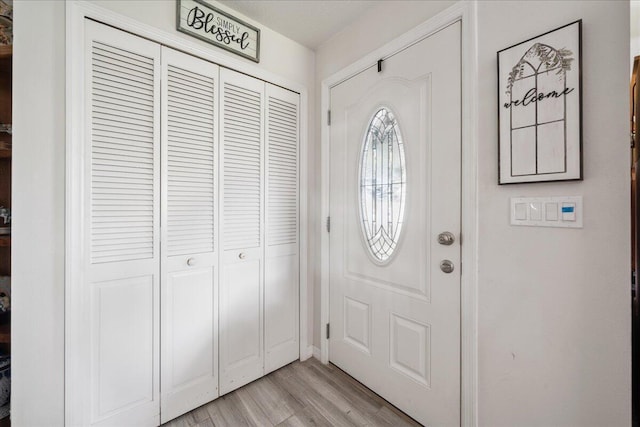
x,y
241,286
189,295
281,280
121,225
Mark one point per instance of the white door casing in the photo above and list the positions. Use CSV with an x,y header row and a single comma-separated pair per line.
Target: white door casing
x,y
121,228
396,326
189,265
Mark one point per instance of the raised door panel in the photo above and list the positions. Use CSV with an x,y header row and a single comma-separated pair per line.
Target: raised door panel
x,y
189,219
281,323
242,221
122,317
118,332
241,355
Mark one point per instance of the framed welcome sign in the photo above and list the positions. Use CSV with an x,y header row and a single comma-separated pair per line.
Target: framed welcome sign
x,y
203,21
540,108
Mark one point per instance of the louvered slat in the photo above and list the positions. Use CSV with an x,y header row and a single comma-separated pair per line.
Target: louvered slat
x,y
190,162
282,167
242,157
122,155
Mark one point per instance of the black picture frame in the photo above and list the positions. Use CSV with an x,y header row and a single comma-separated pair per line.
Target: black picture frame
x,y
548,141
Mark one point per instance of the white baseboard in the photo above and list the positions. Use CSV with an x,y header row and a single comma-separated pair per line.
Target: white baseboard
x,y
309,352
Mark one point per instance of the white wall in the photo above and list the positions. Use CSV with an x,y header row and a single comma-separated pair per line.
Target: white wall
x,y
554,304
635,29
38,214
39,187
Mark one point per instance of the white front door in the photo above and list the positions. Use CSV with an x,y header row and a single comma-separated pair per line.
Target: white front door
x,y
395,187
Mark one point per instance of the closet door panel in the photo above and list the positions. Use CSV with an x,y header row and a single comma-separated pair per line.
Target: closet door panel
x,y
241,351
241,300
189,295
281,311
189,226
122,319
121,205
282,228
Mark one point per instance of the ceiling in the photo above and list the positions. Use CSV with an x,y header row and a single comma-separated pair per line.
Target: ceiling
x,y
309,22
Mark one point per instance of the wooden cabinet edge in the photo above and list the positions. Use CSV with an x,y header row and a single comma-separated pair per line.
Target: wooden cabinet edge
x,y
6,51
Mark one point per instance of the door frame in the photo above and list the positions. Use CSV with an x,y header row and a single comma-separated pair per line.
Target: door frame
x,y
76,13
466,12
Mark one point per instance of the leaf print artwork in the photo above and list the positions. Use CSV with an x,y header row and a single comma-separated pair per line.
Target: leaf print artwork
x,y
541,58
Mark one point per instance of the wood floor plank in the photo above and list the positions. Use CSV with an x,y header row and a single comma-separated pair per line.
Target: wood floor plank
x,y
200,415
351,392
307,417
301,394
205,423
358,411
342,376
285,371
396,418
254,412
215,415
360,391
228,411
276,402
178,422
324,399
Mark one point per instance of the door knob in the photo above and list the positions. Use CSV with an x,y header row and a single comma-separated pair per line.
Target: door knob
x,y
446,266
242,255
446,238
191,262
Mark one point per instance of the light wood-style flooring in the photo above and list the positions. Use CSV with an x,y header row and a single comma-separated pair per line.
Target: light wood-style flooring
x,y
300,394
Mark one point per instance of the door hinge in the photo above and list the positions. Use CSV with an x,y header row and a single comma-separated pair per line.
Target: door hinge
x,y
328,117
328,224
328,334
380,65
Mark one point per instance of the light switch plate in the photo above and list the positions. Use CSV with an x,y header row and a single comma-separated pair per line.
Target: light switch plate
x,y
563,211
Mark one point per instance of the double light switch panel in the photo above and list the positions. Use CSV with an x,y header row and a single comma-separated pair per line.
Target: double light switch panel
x,y
547,211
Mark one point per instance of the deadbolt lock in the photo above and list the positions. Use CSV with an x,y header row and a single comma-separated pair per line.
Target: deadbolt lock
x,y
446,238
446,266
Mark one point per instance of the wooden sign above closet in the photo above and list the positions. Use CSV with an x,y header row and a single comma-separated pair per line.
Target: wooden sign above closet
x,y
203,21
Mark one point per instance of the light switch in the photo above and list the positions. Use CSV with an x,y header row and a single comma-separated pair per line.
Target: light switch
x,y
551,211
535,211
568,211
521,211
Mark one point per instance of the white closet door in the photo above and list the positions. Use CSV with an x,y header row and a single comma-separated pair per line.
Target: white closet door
x,y
241,286
189,293
121,227
281,280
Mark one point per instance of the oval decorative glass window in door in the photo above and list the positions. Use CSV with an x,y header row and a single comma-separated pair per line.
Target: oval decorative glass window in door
x,y
382,185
